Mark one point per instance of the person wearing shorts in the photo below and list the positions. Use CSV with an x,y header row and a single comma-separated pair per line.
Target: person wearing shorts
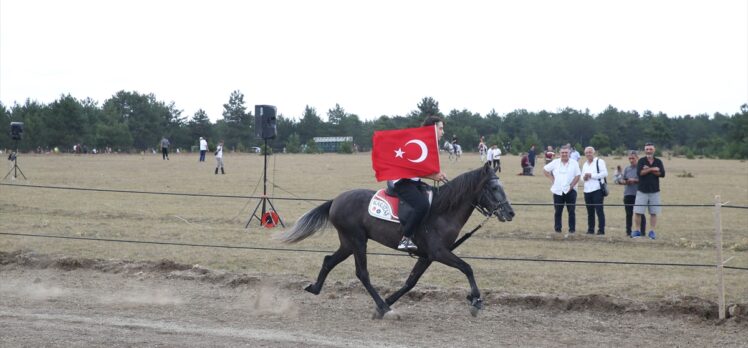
x,y
650,170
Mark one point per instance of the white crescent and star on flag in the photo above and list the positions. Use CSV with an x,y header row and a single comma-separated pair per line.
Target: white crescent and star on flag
x,y
424,151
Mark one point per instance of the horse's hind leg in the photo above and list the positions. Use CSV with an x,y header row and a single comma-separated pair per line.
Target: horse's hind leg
x,y
421,266
363,275
327,265
450,259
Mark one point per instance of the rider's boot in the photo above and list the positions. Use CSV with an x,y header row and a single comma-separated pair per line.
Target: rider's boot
x,y
406,244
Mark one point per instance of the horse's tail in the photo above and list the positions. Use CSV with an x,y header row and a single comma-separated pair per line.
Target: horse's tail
x,y
308,224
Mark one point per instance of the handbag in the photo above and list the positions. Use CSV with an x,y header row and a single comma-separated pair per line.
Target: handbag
x,y
603,184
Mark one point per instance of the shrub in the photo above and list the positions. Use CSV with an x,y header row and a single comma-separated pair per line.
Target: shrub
x,y
266,150
346,147
685,174
311,147
293,145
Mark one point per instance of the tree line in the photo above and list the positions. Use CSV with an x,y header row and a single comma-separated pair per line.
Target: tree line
x,y
131,122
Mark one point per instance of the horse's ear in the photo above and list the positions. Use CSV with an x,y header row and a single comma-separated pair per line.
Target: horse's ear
x,y
487,168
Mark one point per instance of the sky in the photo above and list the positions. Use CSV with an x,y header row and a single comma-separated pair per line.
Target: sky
x,y
381,57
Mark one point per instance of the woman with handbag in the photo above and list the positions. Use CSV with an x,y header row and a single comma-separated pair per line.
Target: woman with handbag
x,y
594,174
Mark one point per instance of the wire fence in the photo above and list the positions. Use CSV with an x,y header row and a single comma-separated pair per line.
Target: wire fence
x,y
187,194
488,258
469,257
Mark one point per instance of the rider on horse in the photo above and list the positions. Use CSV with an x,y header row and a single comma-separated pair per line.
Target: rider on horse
x,y
407,190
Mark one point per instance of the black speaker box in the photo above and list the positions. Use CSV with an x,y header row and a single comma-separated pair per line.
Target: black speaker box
x,y
16,130
265,126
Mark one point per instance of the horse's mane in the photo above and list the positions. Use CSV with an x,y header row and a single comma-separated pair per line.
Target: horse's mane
x,y
454,192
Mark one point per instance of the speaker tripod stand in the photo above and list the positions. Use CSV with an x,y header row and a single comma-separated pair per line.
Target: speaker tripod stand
x,y
265,219
16,169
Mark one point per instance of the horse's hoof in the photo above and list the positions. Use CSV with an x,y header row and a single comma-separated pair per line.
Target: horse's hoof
x,y
310,288
476,305
392,315
380,312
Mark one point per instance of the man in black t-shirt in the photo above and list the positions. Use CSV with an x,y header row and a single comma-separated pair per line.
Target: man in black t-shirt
x,y
650,170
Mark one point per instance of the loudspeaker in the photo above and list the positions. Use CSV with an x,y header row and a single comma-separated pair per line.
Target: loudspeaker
x,y
16,130
265,126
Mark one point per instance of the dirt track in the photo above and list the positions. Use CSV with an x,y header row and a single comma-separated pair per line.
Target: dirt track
x,y
73,302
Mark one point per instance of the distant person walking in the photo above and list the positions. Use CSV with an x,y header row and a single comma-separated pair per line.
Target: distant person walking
x,y
203,149
531,158
564,175
594,174
165,148
219,157
628,177
482,149
650,170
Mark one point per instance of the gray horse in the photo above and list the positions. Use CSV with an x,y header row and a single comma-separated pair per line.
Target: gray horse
x,y
454,150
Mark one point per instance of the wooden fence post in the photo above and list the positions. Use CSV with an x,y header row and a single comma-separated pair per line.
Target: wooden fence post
x,y
720,262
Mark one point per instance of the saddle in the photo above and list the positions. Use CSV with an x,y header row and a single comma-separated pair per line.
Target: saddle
x,y
386,205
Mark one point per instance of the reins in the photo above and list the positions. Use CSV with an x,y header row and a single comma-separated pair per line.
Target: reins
x,y
482,210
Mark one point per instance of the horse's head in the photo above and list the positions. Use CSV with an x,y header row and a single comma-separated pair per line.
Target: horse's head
x,y
493,200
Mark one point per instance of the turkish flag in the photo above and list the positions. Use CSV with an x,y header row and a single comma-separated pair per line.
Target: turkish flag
x,y
405,153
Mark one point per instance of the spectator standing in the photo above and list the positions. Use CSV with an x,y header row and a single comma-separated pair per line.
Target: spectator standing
x,y
650,170
203,149
165,148
219,157
549,154
564,175
531,158
494,156
574,155
628,177
594,173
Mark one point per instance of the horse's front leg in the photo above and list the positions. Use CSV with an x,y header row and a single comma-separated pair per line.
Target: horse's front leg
x,y
450,259
421,266
363,275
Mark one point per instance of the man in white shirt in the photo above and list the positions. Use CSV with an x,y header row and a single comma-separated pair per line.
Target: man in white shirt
x,y
203,148
594,173
564,175
219,157
494,157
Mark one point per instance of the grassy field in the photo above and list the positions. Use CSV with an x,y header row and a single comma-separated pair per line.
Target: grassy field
x,y
685,234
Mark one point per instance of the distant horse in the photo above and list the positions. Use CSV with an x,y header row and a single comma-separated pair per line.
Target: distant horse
x,y
454,150
453,204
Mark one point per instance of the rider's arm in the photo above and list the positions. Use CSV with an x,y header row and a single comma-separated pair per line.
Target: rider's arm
x,y
437,176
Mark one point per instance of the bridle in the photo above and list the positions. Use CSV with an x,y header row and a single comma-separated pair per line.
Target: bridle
x,y
488,212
